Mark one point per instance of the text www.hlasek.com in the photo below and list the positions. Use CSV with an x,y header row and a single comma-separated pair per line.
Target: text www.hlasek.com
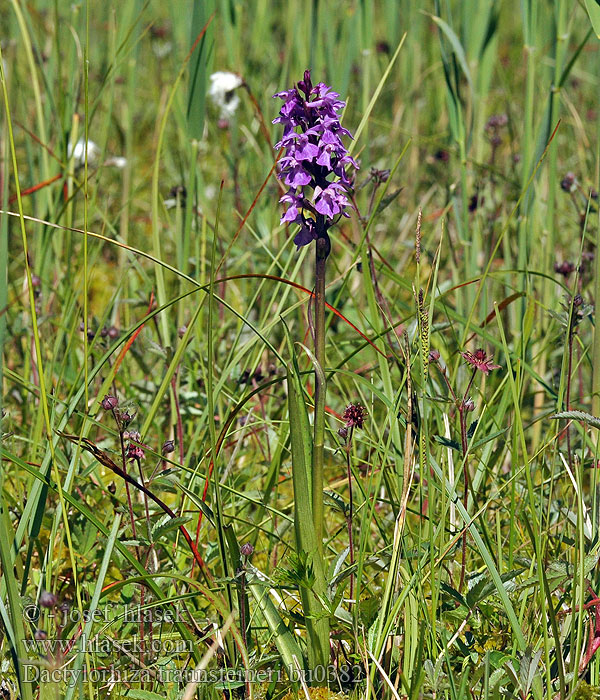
x,y
105,646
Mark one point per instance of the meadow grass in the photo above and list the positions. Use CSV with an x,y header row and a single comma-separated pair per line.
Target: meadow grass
x,y
146,537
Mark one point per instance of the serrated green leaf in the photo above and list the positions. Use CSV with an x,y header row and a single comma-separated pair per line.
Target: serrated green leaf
x,y
485,587
137,542
529,663
587,418
171,524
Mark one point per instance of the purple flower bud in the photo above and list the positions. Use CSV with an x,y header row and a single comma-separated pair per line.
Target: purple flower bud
x,y
469,404
306,84
168,447
40,635
434,355
246,550
48,600
379,176
109,402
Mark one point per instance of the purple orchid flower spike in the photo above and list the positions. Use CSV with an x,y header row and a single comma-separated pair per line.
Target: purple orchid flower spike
x,y
315,160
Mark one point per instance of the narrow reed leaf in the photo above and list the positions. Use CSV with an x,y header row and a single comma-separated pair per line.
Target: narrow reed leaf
x,y
365,118
200,66
457,47
593,10
93,605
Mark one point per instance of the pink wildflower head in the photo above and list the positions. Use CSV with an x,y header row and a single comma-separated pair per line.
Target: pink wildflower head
x,y
355,415
480,361
135,449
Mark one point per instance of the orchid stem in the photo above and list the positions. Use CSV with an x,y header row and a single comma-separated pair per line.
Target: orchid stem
x,y
322,251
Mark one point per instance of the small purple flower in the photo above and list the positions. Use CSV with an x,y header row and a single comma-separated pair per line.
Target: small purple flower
x,y
304,149
306,234
315,160
295,175
331,201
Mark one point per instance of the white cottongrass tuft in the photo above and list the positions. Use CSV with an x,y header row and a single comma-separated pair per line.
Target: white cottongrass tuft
x,y
116,162
77,152
222,92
